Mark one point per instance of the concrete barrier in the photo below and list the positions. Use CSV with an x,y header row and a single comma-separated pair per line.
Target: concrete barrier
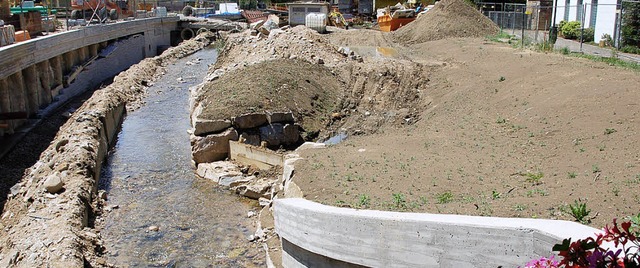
x,y
315,235
251,155
37,71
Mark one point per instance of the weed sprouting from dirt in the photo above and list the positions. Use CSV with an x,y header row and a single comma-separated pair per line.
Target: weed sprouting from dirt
x,y
500,37
534,178
363,201
444,198
579,211
399,200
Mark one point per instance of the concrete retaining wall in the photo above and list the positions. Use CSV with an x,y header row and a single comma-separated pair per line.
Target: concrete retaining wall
x,y
315,235
35,72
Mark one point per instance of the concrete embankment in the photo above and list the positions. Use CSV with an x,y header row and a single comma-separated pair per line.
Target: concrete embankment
x,y
316,235
42,71
47,220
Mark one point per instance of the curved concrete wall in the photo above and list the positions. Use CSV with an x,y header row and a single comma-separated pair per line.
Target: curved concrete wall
x,y
315,235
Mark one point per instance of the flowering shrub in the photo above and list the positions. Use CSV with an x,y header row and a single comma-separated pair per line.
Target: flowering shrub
x,y
589,252
542,263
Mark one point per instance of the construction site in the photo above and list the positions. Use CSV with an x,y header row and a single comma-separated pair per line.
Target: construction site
x,y
311,134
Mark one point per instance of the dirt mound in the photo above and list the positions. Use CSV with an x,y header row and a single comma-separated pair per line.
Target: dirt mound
x,y
243,49
449,18
310,91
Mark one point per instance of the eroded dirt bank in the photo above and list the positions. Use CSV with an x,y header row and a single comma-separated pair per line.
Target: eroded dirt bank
x,y
47,217
445,125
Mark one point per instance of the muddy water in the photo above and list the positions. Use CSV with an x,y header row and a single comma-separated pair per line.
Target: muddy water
x,y
150,179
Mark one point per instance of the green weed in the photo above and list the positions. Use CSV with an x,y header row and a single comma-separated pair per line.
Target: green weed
x,y
580,212
443,198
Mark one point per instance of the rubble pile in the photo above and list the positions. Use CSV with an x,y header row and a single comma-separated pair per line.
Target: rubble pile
x,y
447,19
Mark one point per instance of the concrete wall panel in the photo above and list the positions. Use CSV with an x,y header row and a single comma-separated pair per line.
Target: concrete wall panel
x,y
394,239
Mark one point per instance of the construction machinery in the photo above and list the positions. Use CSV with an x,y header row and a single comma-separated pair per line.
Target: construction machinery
x,y
101,9
336,19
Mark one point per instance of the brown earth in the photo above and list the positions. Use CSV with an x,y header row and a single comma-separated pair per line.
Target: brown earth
x,y
461,125
447,19
312,92
495,119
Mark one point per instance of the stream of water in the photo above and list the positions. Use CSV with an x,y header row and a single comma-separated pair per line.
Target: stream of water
x,y
150,178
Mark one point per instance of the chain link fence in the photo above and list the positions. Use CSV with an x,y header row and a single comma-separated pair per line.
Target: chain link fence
x,y
604,24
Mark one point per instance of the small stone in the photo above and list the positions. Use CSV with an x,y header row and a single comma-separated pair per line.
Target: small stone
x,y
251,238
260,233
53,183
154,228
264,201
250,214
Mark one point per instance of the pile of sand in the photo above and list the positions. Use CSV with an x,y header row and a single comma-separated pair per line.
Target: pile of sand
x,y
449,18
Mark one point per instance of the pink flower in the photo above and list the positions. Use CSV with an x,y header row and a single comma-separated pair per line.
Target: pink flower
x,y
543,262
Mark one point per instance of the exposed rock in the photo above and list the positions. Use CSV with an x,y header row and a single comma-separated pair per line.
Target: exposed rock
x,y
291,134
254,190
291,190
251,214
205,126
279,117
249,121
252,139
212,147
311,145
217,171
278,134
53,183
264,201
154,228
234,181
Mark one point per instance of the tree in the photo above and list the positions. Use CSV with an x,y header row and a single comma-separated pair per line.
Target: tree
x,y
630,24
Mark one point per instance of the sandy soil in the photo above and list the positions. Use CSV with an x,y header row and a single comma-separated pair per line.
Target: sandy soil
x,y
454,125
505,132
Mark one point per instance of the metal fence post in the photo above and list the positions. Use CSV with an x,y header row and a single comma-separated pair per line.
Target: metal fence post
x,y
524,17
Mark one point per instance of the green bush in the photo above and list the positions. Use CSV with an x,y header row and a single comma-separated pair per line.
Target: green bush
x,y
570,30
573,30
630,49
588,35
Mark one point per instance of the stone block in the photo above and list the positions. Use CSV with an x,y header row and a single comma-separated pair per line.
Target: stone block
x,y
252,139
249,121
206,126
218,171
279,117
212,147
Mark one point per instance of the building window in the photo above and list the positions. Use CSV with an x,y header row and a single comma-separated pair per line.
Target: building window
x,y
594,14
566,10
579,11
313,9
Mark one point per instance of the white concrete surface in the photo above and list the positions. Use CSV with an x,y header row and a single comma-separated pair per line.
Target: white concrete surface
x,y
318,235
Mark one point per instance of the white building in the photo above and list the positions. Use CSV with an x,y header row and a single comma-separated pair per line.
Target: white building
x,y
601,15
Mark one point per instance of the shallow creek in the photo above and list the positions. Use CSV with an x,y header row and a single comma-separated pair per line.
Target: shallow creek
x,y
150,180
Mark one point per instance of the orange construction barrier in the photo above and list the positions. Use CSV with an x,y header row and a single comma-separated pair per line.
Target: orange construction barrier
x,y
22,36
